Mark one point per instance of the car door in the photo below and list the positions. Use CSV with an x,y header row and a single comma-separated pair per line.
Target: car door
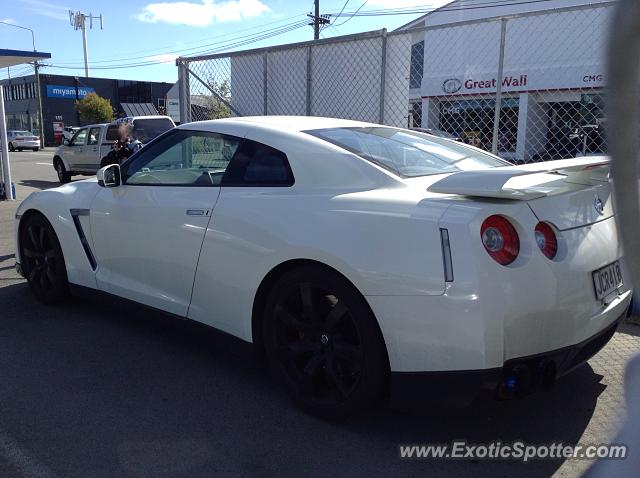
x,y
91,154
74,151
147,232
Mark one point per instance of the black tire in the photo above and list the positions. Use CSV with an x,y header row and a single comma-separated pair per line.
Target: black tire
x,y
20,150
323,343
11,147
35,149
42,260
63,175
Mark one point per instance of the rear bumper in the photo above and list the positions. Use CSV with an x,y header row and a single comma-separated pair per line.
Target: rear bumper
x,y
516,378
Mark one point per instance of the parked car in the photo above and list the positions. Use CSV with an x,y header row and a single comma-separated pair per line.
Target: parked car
x,y
359,258
69,131
22,139
86,148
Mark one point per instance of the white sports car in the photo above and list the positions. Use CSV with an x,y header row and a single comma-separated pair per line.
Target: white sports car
x,y
359,258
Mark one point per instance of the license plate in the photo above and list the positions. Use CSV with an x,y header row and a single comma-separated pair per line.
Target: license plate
x,y
607,279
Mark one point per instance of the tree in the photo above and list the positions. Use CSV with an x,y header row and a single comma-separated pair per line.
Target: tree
x,y
216,108
95,109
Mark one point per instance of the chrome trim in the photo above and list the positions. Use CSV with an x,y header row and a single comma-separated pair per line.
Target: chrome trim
x,y
446,255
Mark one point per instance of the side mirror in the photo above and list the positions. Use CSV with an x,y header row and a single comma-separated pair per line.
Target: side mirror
x,y
66,142
109,176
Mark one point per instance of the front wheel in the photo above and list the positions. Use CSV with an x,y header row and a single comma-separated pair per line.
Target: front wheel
x,y
324,343
11,147
63,175
42,260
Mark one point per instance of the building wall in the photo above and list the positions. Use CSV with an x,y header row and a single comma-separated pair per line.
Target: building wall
x,y
60,92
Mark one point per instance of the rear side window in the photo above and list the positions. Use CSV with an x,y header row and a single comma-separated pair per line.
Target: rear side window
x,y
112,133
256,164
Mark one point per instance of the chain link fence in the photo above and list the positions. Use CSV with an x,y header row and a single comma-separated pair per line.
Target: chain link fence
x,y
528,87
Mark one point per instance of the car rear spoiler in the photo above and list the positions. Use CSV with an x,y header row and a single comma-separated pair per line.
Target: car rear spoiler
x,y
491,182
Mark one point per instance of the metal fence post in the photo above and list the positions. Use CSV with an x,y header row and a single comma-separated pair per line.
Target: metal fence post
x,y
264,81
309,84
496,115
383,75
183,91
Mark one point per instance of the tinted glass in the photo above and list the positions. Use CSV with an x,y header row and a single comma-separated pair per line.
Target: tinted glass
x,y
182,158
112,133
257,164
144,130
408,153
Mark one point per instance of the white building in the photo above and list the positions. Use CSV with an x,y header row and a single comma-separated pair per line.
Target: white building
x,y
552,81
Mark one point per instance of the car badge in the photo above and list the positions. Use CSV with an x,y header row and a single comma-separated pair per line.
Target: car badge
x,y
598,206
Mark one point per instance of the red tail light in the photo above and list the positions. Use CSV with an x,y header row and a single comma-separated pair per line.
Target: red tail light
x,y
546,239
500,239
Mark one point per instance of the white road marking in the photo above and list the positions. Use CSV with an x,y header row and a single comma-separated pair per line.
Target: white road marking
x,y
24,464
44,164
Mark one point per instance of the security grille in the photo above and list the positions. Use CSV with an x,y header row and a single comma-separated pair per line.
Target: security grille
x,y
528,87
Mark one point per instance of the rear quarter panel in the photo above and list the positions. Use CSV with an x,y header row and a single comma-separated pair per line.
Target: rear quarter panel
x,y
386,242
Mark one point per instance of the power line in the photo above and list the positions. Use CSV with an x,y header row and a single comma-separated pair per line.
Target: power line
x,y
162,50
418,10
184,50
226,47
354,14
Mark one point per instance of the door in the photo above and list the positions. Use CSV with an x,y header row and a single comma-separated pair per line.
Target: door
x,y
74,152
89,160
147,233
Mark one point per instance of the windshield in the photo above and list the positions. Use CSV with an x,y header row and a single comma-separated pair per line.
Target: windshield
x,y
144,130
23,133
408,153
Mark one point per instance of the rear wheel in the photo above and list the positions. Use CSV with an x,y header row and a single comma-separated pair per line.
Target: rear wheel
x,y
35,149
323,343
42,260
63,175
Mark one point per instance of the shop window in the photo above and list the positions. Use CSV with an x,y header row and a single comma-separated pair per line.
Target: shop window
x,y
417,65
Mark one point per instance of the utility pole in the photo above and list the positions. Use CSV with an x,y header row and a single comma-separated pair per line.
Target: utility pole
x,y
78,21
36,66
317,20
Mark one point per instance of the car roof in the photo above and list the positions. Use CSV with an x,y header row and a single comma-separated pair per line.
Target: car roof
x,y
291,123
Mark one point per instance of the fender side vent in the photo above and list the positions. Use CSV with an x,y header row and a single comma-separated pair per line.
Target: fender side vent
x,y
75,214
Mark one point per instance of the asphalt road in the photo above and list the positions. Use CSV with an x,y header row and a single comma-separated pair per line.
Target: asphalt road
x,y
98,387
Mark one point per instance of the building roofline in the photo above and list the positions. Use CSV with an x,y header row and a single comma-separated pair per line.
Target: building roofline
x,y
410,24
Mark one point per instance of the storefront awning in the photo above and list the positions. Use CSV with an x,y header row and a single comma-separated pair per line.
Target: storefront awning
x,y
18,57
139,109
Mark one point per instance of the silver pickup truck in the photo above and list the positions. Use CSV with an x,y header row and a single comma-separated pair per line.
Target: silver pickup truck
x,y
86,148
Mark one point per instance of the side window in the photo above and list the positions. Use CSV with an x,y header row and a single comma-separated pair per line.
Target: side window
x,y
182,158
112,133
94,136
80,137
257,164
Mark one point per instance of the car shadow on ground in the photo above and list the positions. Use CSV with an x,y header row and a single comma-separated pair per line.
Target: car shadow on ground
x,y
102,387
39,184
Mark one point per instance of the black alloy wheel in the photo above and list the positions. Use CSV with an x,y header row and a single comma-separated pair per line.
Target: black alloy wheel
x,y
42,260
324,343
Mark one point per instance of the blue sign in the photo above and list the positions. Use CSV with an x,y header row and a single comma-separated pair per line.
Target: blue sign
x,y
56,91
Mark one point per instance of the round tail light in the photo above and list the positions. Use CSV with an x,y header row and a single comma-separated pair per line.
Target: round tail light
x,y
546,239
500,239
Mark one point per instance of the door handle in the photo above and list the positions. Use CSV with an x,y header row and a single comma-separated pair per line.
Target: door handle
x,y
197,212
